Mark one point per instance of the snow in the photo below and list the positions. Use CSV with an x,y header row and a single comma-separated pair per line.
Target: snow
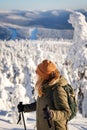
x,y
79,123
6,124
18,61
77,55
33,34
79,23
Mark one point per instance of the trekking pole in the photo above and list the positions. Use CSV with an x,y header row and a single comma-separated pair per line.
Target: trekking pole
x,y
23,121
19,118
21,113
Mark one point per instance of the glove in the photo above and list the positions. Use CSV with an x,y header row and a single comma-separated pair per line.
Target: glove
x,y
48,114
20,107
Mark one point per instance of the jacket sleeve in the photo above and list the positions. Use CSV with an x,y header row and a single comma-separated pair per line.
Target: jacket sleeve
x,y
30,107
62,110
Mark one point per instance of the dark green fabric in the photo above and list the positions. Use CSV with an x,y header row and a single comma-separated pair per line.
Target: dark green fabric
x,y
30,107
71,100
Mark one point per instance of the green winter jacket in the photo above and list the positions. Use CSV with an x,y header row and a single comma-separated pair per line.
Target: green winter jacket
x,y
56,98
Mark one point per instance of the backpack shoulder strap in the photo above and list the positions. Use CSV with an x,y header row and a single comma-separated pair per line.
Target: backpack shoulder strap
x,y
69,89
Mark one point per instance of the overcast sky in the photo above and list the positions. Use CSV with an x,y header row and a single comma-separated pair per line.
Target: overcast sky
x,y
42,4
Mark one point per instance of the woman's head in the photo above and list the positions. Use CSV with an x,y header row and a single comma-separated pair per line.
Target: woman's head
x,y
46,72
47,69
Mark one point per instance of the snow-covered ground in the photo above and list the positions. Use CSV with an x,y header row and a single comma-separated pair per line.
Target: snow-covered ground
x,y
18,61
6,124
78,123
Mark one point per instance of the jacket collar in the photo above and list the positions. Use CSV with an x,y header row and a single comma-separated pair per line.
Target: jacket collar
x,y
59,82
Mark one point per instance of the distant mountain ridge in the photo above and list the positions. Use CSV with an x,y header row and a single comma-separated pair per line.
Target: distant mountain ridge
x,y
22,21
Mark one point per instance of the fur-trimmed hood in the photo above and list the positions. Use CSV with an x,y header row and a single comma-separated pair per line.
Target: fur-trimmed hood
x,y
61,82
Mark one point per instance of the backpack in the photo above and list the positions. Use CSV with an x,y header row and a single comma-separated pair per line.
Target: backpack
x,y
71,100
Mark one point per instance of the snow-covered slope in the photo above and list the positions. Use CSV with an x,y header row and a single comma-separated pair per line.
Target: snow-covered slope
x,y
52,24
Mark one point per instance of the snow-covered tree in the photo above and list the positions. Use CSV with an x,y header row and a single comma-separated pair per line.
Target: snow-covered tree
x,y
76,61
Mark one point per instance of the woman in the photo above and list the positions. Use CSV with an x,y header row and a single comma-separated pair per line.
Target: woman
x,y
52,109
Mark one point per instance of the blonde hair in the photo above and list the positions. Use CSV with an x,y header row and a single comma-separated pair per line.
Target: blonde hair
x,y
38,86
53,76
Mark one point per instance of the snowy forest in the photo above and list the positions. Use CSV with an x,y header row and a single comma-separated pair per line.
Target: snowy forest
x,y
18,61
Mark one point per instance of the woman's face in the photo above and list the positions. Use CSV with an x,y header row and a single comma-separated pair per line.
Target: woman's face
x,y
38,77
